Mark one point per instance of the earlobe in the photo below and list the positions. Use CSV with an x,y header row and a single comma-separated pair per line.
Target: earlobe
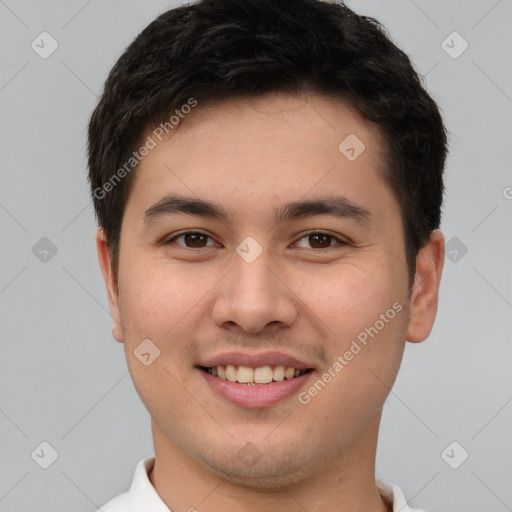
x,y
110,283
425,290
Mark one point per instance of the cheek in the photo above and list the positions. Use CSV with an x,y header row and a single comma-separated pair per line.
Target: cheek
x,y
366,314
349,297
157,297
160,303
365,353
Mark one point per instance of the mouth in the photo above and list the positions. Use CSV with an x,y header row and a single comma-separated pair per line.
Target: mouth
x,y
260,376
254,381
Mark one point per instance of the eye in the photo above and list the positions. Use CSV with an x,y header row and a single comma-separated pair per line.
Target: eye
x,y
199,240
321,240
191,240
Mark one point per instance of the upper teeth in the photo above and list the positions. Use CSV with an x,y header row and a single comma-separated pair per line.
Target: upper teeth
x,y
262,375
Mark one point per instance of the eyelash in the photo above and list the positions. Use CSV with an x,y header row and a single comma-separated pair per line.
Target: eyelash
x,y
341,242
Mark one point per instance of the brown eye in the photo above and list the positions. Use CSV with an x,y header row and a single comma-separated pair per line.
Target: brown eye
x,y
191,239
195,240
320,240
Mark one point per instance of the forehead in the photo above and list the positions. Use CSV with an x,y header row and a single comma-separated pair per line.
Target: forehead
x,y
275,146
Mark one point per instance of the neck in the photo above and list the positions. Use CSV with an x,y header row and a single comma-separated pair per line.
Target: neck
x,y
345,482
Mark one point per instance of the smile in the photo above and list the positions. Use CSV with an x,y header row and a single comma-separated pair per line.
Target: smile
x,y
252,394
251,376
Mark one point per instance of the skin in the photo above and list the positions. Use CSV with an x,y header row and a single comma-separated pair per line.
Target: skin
x,y
251,156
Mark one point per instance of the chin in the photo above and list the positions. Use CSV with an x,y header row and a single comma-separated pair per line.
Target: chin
x,y
274,469
264,475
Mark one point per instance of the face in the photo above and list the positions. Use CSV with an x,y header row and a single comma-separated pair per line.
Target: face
x,y
255,247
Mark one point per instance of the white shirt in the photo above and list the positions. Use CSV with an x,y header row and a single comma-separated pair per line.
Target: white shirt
x,y
142,496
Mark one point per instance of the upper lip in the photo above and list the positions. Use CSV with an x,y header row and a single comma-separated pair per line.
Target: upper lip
x,y
255,360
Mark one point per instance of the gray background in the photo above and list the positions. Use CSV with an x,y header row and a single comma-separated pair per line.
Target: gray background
x,y
64,380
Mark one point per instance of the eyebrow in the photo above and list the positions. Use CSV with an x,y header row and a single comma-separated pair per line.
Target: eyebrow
x,y
336,206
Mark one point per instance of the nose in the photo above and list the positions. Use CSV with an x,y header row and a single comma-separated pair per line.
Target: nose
x,y
254,297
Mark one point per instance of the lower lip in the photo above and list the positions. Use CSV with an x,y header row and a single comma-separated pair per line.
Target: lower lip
x,y
257,396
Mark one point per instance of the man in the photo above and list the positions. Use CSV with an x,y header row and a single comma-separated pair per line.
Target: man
x,y
267,178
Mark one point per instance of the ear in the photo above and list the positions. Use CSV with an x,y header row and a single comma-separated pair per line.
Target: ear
x,y
110,283
425,290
